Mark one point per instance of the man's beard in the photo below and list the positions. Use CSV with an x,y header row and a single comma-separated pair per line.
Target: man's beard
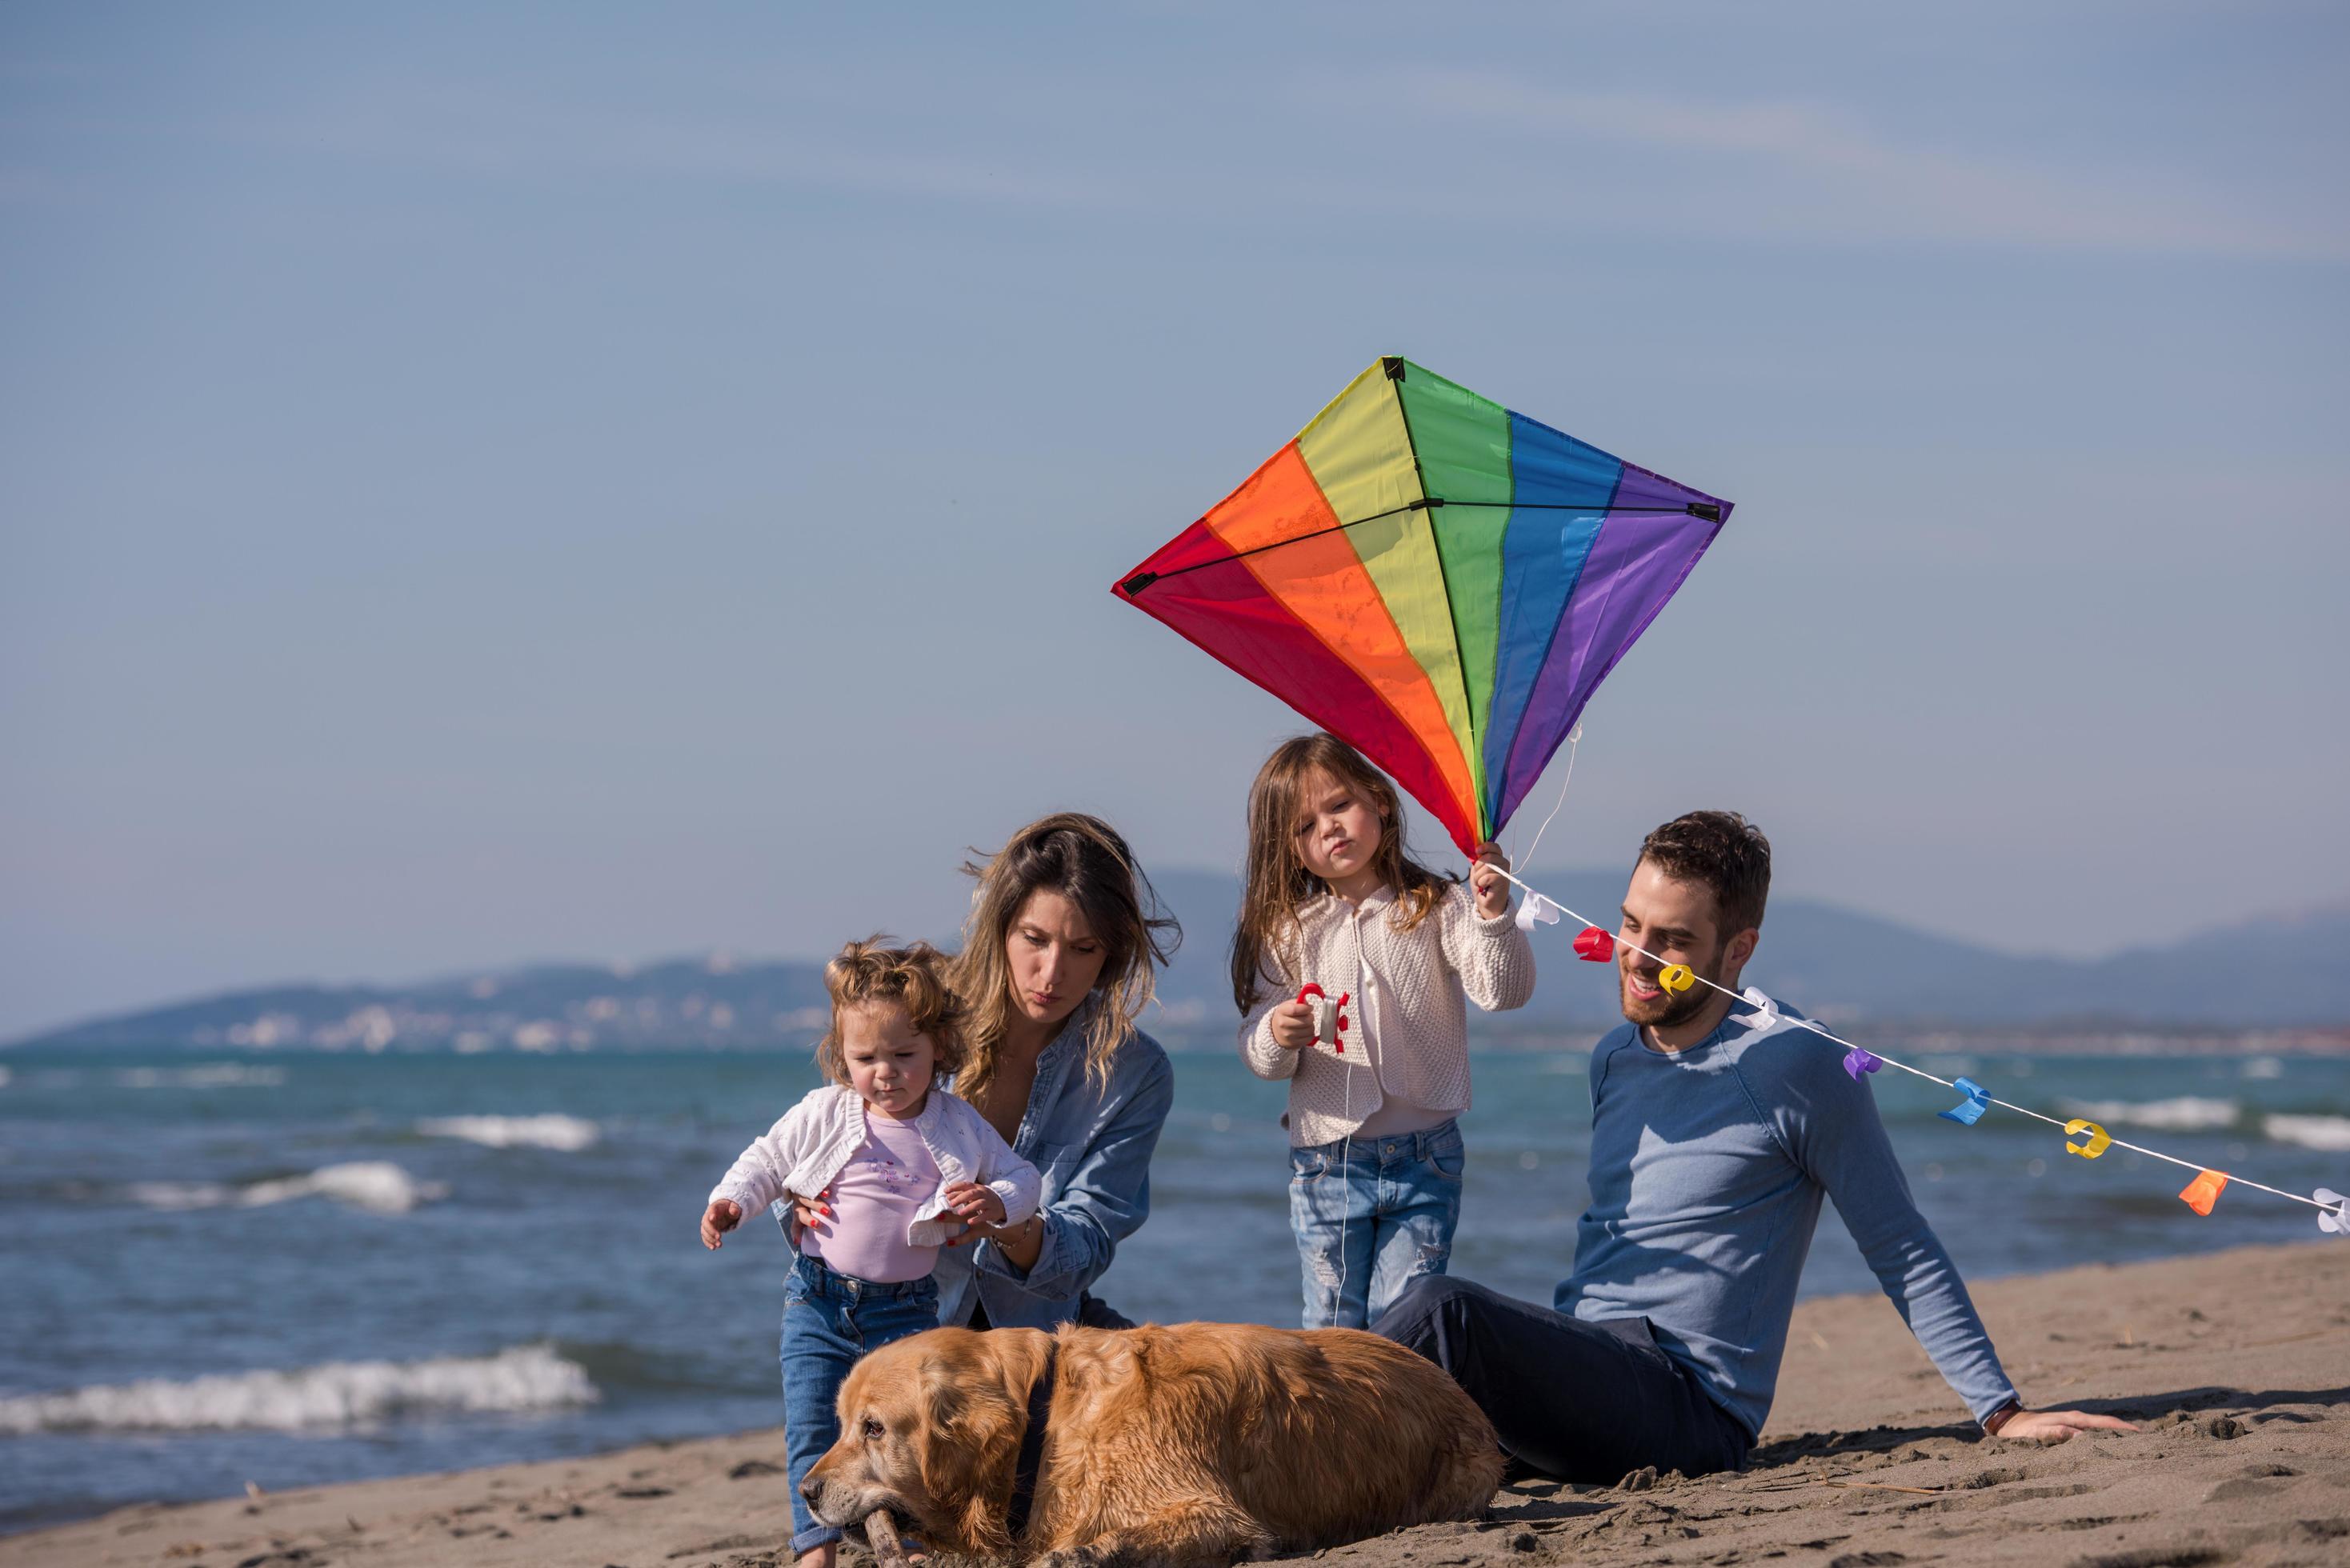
x,y
1669,1010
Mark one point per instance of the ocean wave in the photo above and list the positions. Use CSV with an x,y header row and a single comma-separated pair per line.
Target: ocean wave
x,y
337,1393
569,1134
377,1186
2185,1114
2329,1133
208,1075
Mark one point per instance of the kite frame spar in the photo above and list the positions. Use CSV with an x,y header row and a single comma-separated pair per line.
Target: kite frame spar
x,y
1457,654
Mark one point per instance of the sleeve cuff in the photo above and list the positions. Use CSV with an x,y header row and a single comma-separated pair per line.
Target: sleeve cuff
x,y
2006,1403
1008,1193
992,1260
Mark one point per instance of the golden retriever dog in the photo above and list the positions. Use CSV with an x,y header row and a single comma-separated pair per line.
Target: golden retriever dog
x,y
1194,1444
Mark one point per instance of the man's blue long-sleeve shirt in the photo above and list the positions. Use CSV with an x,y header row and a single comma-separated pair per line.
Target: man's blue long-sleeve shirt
x,y
1708,1166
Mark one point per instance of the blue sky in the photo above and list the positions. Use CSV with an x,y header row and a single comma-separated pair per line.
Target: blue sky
x,y
593,481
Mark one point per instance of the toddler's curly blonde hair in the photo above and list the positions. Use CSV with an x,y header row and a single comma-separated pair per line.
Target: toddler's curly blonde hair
x,y
914,978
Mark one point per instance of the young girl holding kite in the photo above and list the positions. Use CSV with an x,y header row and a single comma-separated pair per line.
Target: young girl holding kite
x,y
1351,961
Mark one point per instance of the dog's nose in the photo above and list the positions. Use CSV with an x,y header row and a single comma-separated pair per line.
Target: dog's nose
x,y
809,1487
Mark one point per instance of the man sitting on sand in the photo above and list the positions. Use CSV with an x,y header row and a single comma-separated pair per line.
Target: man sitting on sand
x,y
1713,1142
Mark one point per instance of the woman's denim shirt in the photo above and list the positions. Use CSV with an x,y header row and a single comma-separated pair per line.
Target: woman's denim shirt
x,y
1093,1145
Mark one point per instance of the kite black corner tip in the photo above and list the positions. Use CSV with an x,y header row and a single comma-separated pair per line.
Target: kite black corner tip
x,y
1393,365
1709,510
1136,582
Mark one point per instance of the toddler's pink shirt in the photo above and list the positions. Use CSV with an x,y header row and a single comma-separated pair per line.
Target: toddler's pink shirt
x,y
874,1199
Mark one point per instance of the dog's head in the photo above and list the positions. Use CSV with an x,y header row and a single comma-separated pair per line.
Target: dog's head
x,y
929,1429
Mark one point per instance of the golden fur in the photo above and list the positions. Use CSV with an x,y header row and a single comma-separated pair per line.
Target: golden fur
x,y
1198,1443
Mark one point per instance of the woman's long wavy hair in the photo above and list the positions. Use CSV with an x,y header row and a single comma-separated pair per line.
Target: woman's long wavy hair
x,y
1082,859
1278,882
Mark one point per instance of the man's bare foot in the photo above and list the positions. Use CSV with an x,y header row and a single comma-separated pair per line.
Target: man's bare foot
x,y
824,1556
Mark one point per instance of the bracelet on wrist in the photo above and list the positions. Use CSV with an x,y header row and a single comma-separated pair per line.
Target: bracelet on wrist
x,y
2002,1416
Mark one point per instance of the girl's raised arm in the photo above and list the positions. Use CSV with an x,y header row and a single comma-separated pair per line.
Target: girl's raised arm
x,y
1491,956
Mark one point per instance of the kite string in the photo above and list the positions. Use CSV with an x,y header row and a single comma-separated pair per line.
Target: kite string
x,y
1573,739
1825,1033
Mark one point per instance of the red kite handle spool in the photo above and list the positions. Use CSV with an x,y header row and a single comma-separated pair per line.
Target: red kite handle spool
x,y
1329,1017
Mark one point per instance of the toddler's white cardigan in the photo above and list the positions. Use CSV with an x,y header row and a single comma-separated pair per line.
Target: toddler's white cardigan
x,y
1410,1029
816,1139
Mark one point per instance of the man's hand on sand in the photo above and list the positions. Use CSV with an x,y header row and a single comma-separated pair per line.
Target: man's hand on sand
x,y
1293,1026
2057,1426
721,1215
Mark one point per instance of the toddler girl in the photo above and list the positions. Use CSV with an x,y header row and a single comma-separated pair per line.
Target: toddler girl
x,y
895,1165
1333,901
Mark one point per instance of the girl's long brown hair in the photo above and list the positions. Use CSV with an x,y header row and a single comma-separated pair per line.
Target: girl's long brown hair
x,y
1278,881
1082,859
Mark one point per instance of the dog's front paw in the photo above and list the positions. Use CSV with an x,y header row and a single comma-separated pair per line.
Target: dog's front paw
x,y
1090,1556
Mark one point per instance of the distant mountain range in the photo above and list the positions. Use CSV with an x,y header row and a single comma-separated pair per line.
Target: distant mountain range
x,y
1836,963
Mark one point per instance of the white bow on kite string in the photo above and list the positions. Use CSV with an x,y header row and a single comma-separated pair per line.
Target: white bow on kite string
x,y
2333,1209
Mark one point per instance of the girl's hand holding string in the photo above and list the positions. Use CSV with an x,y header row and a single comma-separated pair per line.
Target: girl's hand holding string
x,y
1293,1025
1493,889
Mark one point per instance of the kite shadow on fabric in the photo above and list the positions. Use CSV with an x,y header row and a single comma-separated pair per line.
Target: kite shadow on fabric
x,y
1435,580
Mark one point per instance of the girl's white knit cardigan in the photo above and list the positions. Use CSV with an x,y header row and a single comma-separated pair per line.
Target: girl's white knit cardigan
x,y
815,1139
1415,1042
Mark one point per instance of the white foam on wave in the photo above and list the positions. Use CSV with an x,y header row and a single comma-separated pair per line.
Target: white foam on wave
x,y
209,1075
377,1186
2185,1114
2329,1133
337,1394
569,1134
174,1196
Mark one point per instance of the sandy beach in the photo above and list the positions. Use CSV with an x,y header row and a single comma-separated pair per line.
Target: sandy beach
x,y
2236,1363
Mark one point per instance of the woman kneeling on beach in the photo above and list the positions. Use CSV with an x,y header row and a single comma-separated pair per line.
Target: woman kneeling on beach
x,y
1056,966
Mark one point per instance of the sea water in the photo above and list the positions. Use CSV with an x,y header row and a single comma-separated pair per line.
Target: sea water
x,y
292,1268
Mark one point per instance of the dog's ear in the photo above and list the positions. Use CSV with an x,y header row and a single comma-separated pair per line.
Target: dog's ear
x,y
970,1444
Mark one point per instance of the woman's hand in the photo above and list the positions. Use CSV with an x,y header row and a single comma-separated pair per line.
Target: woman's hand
x,y
810,1213
974,1204
1493,889
1023,1243
1293,1026
722,1215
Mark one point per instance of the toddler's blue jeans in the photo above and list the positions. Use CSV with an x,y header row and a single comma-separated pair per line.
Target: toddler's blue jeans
x,y
1371,1215
829,1320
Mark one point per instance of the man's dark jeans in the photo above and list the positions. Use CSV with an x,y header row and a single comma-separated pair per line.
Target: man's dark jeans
x,y
1589,1402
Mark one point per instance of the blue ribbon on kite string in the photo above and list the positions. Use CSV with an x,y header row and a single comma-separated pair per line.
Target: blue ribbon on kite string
x,y
1979,1096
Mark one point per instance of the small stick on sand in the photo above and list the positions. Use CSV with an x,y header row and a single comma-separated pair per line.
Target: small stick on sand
x,y
881,1532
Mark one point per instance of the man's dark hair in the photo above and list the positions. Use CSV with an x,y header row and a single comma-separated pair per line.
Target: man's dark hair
x,y
1720,850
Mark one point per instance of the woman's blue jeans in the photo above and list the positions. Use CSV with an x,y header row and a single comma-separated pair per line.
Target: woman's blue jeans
x,y
829,1320
1371,1215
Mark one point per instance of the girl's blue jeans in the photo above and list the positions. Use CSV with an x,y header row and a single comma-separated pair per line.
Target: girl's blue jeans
x,y
829,1320
1371,1215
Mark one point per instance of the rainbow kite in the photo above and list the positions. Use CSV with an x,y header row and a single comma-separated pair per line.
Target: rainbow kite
x,y
1435,580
